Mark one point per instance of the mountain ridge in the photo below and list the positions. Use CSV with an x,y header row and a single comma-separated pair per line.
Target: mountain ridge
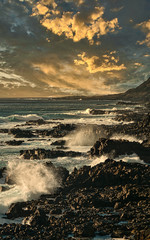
x,y
140,93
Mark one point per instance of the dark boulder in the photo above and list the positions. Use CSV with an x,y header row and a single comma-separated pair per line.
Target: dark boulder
x,y
3,130
58,131
43,153
19,133
17,210
61,173
36,122
116,148
2,171
59,143
4,188
84,230
96,111
14,142
38,218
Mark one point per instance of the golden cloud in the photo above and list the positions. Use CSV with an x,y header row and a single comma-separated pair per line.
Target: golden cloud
x,y
69,78
80,25
145,26
41,7
137,64
95,64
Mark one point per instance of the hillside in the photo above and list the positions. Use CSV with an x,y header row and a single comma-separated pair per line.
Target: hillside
x,y
140,93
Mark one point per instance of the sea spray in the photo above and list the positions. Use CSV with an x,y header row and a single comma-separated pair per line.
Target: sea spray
x,y
31,180
85,136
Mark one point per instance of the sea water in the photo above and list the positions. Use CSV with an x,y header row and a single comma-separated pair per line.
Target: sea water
x,y
31,177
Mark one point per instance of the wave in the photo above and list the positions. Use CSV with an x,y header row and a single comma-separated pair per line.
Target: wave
x,y
16,117
133,158
32,179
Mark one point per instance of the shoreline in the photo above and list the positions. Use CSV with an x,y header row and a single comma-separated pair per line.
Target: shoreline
x,y
107,199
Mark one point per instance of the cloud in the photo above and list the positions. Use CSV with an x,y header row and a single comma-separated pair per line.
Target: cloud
x,y
68,77
145,27
40,9
137,64
95,64
147,55
11,80
85,23
117,9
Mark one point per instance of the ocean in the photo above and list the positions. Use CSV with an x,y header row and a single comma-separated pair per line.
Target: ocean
x,y
30,182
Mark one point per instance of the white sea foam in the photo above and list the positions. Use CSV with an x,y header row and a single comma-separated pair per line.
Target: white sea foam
x,y
133,158
17,117
32,179
87,111
98,160
107,237
126,137
98,120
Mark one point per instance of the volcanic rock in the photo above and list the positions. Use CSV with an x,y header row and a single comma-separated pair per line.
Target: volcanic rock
x,y
116,148
96,111
42,154
58,131
14,142
59,143
19,133
17,210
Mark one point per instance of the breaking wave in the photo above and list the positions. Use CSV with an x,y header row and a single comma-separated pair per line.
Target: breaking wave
x,y
31,180
16,117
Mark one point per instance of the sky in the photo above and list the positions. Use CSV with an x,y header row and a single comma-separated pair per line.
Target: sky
x,y
53,48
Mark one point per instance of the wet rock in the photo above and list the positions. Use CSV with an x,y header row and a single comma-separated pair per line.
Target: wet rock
x,y
9,180
111,198
56,211
17,210
19,133
143,234
39,218
3,130
2,171
96,111
108,174
59,143
116,148
36,122
58,131
42,154
14,142
85,230
3,188
61,173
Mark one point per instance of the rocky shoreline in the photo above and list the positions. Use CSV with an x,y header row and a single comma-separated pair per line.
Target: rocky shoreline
x,y
111,198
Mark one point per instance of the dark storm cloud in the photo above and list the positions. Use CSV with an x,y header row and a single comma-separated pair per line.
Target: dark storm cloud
x,y
53,47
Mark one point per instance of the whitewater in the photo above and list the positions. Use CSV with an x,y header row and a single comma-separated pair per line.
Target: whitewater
x,y
31,176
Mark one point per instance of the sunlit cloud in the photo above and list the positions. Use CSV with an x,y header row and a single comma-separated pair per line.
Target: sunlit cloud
x,y
94,64
145,27
70,77
137,64
72,47
80,25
